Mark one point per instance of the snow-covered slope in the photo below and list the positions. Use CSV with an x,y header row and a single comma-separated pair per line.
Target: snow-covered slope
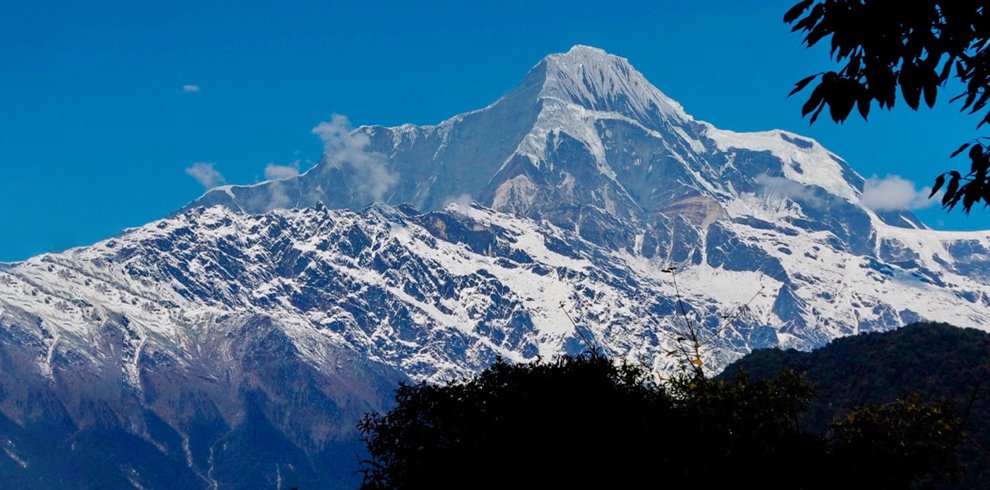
x,y
287,308
442,294
189,332
435,295
588,144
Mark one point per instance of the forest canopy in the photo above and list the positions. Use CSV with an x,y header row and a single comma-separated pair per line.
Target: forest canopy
x,y
586,421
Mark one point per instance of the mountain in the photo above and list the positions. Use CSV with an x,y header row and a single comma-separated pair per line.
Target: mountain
x,y
201,336
588,144
938,361
240,339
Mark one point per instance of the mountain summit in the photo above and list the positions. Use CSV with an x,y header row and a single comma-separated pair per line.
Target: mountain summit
x,y
602,82
236,342
589,144
540,150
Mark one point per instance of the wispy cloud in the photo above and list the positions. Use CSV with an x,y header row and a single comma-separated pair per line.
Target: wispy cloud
x,y
344,149
205,174
278,196
274,171
788,188
894,193
190,88
462,201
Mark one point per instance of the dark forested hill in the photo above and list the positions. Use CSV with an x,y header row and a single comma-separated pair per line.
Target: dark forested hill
x,y
935,360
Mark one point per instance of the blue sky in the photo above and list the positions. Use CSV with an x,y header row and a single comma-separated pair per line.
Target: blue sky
x,y
96,130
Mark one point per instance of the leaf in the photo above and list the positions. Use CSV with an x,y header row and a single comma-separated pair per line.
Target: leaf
x,y
814,100
960,149
984,121
910,84
697,362
982,101
980,160
969,198
985,195
946,68
808,22
802,83
930,92
975,152
912,95
950,192
887,94
815,115
792,14
841,105
814,36
863,104
939,181
952,204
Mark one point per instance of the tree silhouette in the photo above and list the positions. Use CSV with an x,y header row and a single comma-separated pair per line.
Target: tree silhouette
x,y
585,422
915,46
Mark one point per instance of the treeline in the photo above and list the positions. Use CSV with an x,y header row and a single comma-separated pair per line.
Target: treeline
x,y
935,361
893,410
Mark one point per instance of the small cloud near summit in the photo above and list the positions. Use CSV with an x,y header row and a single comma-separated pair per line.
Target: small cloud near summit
x,y
343,147
190,88
274,171
894,193
205,174
790,189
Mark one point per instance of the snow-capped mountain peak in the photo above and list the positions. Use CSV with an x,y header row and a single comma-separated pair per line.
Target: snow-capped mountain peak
x,y
600,81
584,140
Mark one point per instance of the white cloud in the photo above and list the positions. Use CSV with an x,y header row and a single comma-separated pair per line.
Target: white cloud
x,y
278,196
336,129
462,201
894,193
342,148
205,174
274,171
788,188
190,88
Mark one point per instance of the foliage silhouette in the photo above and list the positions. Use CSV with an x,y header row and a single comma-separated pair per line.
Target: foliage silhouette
x,y
585,421
915,46
938,361
897,445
